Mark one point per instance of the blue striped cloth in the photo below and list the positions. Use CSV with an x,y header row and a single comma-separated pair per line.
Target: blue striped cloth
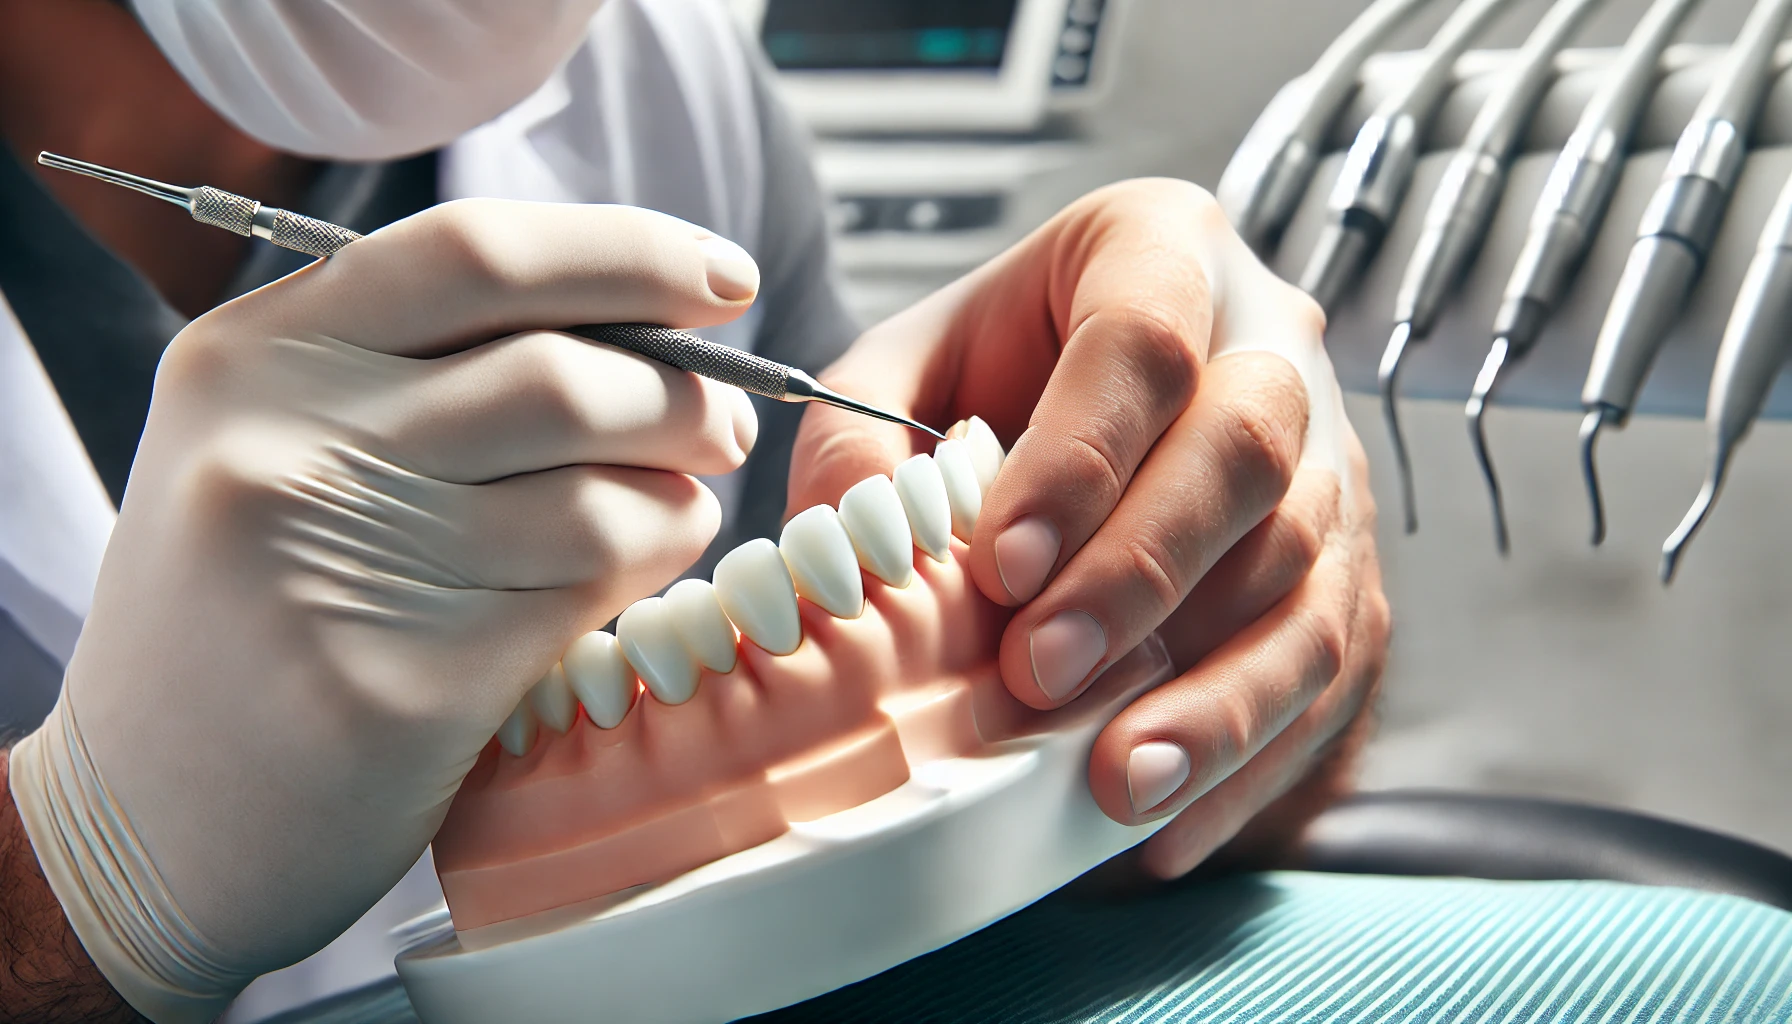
x,y
1290,947
1295,947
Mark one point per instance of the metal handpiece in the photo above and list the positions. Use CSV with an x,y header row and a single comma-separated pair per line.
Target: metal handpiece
x,y
675,348
1756,341
1676,234
1464,203
1379,166
1567,218
1272,167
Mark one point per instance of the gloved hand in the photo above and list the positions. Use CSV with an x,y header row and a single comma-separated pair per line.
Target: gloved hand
x,y
1180,463
357,530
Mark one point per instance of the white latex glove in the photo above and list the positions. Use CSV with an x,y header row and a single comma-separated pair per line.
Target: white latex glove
x,y
357,530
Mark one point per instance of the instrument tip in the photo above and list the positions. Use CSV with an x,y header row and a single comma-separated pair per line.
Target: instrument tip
x,y
176,194
1476,410
1675,545
1388,377
1589,440
814,390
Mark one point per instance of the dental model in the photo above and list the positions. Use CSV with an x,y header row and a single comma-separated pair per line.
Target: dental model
x,y
746,764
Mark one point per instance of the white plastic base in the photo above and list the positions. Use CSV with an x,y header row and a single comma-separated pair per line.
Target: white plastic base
x,y
964,843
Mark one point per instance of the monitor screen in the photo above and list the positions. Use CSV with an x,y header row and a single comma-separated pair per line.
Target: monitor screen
x,y
855,35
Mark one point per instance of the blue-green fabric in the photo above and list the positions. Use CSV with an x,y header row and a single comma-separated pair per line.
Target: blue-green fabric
x,y
1294,947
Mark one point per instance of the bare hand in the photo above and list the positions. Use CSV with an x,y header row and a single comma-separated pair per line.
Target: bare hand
x,y
1180,463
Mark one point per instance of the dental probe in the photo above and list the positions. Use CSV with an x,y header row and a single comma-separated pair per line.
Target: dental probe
x,y
1464,203
1378,167
1756,340
1270,170
1675,235
319,238
1567,219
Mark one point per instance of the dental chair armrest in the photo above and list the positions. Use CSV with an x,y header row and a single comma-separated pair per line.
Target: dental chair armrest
x,y
1429,832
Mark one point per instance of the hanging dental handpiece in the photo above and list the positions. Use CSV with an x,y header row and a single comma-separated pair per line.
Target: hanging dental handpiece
x,y
1676,233
1756,341
1465,201
1567,218
1273,166
1379,166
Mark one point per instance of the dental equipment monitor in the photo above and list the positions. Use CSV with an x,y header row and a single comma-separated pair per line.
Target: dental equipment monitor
x,y
886,66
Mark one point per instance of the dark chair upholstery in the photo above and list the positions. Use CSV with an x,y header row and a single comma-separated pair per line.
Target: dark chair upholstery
x,y
1426,832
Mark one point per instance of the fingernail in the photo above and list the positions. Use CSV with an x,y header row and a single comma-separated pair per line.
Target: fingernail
x,y
1065,649
746,421
1155,771
1025,553
733,275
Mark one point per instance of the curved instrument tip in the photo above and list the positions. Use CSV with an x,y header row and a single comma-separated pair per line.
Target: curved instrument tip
x,y
1476,410
1675,545
1388,377
1589,467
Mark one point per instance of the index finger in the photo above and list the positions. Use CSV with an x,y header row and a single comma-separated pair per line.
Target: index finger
x,y
1132,291
466,272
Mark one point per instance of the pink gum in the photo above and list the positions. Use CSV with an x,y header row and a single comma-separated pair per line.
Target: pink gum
x,y
832,725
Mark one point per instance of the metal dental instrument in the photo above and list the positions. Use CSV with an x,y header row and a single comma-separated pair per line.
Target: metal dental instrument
x,y
1464,203
1756,341
1267,175
678,349
222,209
1567,218
1676,234
1379,166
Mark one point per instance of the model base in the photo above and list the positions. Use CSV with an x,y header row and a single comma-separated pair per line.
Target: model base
x,y
965,842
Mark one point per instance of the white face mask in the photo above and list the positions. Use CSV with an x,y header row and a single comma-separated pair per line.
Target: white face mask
x,y
364,79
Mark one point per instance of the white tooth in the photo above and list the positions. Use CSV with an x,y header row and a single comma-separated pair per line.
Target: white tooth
x,y
754,587
822,563
517,734
601,676
962,492
697,616
874,519
552,701
986,451
651,644
923,494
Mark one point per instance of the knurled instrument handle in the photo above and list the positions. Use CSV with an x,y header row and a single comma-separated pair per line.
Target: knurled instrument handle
x,y
686,351
284,228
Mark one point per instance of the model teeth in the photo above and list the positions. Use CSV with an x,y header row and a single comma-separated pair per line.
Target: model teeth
x,y
874,519
923,494
552,701
517,734
601,677
962,491
669,641
822,563
754,587
652,645
986,452
698,617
